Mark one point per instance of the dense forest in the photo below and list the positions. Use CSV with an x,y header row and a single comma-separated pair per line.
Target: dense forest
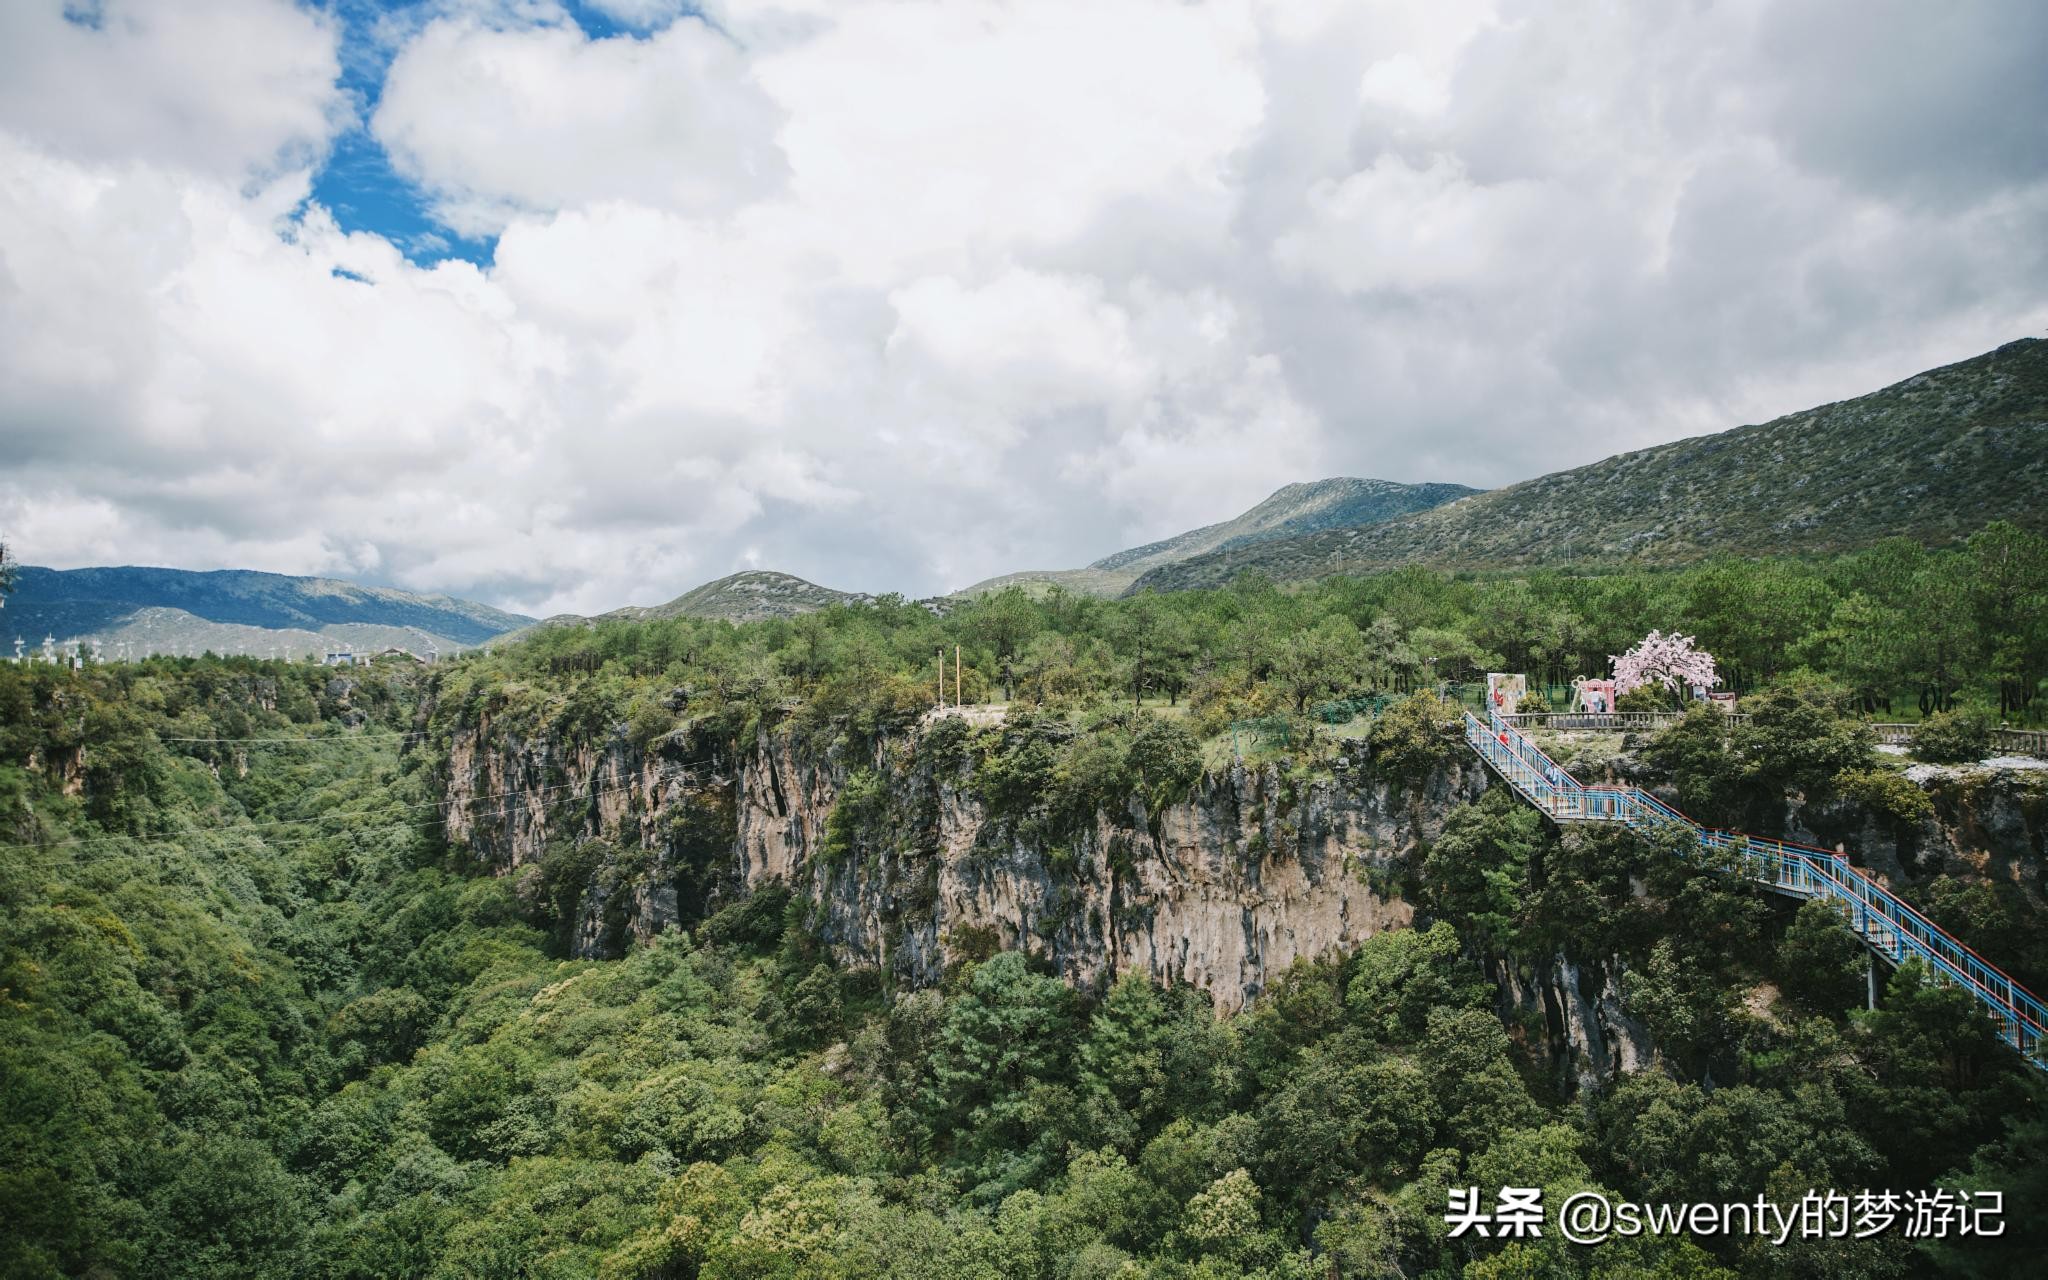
x,y
260,1016
1903,631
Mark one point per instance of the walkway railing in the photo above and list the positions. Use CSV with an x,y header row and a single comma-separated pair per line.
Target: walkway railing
x,y
2025,742
1887,924
2018,742
1604,721
2021,742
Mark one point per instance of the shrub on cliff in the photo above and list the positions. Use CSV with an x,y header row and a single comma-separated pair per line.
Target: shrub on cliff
x,y
1015,771
865,703
567,866
648,719
756,921
1404,975
1411,739
1798,735
1695,754
1162,762
1476,874
1052,779
1820,960
1688,1008
945,744
1889,794
858,819
1962,736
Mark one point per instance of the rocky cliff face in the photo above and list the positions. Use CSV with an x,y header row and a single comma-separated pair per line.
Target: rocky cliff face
x,y
654,826
1988,822
1224,890
1571,1014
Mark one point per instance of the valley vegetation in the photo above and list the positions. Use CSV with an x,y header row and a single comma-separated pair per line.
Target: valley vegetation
x,y
258,1017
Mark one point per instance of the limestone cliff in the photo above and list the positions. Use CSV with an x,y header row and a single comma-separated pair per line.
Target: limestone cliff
x,y
1571,1015
1225,890
1987,822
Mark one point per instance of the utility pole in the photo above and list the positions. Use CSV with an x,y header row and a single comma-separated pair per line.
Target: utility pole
x,y
956,677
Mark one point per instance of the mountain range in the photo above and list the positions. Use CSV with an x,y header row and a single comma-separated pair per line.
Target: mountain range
x,y
747,596
1296,509
1934,458
152,610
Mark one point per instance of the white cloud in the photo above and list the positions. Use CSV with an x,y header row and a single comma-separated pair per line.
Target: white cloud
x,y
1221,420
926,136
665,314
1415,50
900,295
216,86
1398,227
497,121
1023,343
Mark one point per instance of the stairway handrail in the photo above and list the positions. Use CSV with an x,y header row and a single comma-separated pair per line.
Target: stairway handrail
x,y
1499,726
1828,873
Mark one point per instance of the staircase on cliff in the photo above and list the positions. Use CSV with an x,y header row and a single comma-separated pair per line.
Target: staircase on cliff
x,y
1888,926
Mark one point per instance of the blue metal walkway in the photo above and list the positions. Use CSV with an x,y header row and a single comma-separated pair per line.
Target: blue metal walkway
x,y
1888,926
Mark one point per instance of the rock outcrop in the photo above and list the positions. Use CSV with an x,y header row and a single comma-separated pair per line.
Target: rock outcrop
x,y
1576,1012
1987,821
1224,890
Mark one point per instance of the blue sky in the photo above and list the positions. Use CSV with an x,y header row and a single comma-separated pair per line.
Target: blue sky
x,y
357,183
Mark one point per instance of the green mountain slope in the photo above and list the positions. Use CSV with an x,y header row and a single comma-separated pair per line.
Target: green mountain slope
x,y
165,610
751,596
1338,502
748,597
1934,457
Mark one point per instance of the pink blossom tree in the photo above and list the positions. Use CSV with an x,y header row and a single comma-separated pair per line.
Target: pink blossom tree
x,y
1669,660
